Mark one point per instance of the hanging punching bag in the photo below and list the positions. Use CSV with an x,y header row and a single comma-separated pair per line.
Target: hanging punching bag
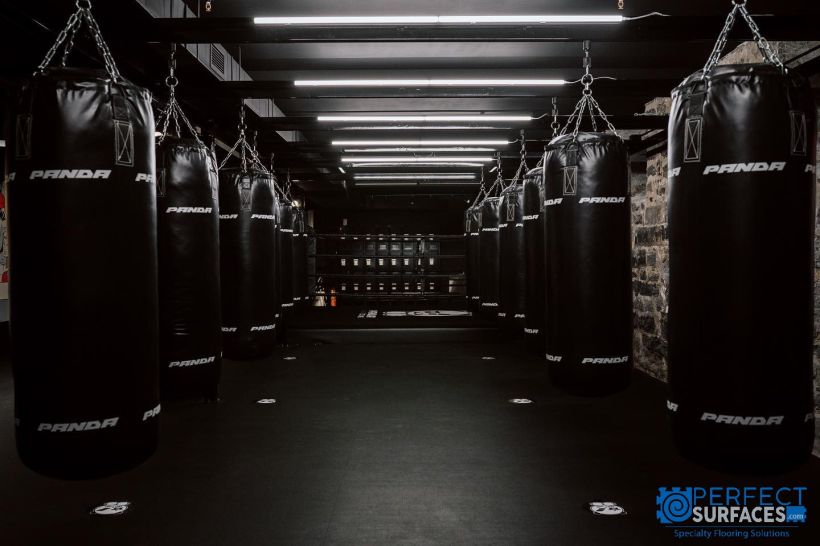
x,y
533,218
472,260
277,241
299,255
286,259
588,312
246,232
742,146
83,281
489,248
188,239
512,269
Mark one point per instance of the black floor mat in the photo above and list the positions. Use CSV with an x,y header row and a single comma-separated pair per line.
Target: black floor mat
x,y
373,444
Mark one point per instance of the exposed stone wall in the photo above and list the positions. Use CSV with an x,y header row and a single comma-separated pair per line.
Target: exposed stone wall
x,y
650,259
650,254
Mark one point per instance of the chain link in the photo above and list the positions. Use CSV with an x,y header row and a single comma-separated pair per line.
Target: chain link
x,y
69,45
245,150
66,39
762,44
522,166
173,110
586,103
555,125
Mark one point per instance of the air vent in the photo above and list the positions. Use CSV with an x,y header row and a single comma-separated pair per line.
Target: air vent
x,y
217,60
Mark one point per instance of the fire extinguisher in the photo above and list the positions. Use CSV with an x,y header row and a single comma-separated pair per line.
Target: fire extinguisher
x,y
333,297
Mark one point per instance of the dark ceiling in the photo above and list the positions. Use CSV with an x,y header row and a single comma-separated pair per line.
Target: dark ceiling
x,y
647,57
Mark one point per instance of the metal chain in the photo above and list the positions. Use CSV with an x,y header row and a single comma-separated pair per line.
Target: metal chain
x,y
587,102
71,31
555,125
172,109
245,150
603,116
102,47
522,166
762,44
481,190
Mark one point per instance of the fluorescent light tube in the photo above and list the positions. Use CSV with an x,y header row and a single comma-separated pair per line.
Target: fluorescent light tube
x,y
448,183
341,170
430,82
349,20
405,164
386,184
417,127
415,176
423,118
416,149
527,19
435,19
420,142
404,159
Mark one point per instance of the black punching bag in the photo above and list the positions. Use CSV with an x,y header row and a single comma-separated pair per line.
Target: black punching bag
x,y
742,149
489,252
512,268
472,260
588,263
286,259
299,255
83,293
534,250
247,255
190,339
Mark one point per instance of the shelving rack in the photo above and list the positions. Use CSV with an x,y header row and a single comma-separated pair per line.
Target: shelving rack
x,y
389,266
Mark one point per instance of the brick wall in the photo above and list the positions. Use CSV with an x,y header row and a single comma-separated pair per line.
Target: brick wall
x,y
650,251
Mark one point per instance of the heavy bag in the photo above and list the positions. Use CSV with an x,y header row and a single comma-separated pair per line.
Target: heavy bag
x,y
472,260
588,292
247,237
512,268
299,256
190,339
83,284
489,253
286,259
742,150
534,250
277,238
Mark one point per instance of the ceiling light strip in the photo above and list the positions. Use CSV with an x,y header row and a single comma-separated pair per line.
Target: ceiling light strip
x,y
437,19
417,149
458,142
431,82
433,118
415,176
440,159
406,164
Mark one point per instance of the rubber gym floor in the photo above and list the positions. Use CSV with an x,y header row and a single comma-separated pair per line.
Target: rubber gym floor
x,y
386,436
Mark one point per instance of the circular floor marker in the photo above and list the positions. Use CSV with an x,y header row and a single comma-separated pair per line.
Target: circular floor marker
x,y
520,401
487,358
606,508
266,401
115,508
290,358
